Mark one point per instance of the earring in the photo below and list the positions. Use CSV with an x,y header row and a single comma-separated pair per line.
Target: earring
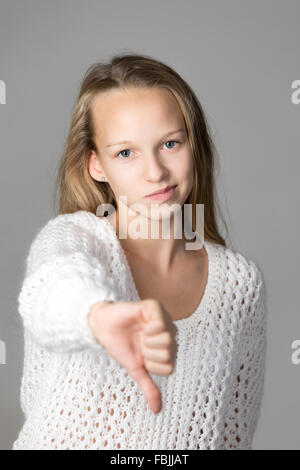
x,y
102,178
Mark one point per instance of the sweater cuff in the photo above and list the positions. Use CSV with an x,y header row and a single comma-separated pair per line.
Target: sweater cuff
x,y
85,333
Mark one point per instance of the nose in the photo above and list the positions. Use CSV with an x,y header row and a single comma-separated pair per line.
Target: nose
x,y
153,168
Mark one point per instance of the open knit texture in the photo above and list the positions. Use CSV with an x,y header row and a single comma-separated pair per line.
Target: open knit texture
x,y
74,395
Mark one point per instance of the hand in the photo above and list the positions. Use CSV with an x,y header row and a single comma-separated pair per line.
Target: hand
x,y
141,337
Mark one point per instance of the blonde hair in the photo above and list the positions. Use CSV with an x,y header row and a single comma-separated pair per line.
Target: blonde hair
x,y
77,190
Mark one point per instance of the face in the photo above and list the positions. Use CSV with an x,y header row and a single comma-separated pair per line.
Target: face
x,y
143,147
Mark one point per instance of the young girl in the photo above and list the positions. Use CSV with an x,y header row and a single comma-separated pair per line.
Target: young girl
x,y
138,342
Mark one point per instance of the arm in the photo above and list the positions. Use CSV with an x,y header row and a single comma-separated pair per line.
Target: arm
x,y
244,406
64,279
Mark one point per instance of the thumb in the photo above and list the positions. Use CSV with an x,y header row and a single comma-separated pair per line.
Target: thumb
x,y
148,387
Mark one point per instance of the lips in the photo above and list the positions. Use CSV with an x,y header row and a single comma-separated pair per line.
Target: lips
x,y
162,191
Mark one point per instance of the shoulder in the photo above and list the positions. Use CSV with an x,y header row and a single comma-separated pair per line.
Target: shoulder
x,y
70,225
75,220
244,268
242,276
78,232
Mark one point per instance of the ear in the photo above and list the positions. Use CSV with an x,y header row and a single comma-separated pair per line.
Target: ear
x,y
94,166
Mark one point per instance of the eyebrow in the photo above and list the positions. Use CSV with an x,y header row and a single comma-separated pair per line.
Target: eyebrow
x,y
129,142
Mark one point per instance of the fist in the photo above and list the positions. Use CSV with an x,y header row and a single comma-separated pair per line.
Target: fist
x,y
141,337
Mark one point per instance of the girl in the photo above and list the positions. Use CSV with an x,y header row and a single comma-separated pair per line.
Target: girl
x,y
134,342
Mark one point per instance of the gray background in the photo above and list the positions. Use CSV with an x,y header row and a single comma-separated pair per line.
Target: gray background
x,y
240,57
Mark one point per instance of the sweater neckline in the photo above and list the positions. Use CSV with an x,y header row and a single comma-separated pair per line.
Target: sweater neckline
x,y
203,310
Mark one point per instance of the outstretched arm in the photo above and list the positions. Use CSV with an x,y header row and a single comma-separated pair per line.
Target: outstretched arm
x,y
65,276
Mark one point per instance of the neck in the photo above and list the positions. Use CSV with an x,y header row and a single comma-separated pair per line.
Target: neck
x,y
162,248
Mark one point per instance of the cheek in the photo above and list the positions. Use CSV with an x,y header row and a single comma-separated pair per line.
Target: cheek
x,y
123,186
184,166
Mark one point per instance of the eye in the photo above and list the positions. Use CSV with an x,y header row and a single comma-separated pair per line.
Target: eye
x,y
176,141
126,150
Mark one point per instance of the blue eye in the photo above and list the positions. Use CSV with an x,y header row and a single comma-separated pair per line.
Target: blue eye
x,y
172,141
125,150
122,151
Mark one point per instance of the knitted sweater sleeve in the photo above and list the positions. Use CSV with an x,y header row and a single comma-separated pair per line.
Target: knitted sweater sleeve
x,y
244,407
64,278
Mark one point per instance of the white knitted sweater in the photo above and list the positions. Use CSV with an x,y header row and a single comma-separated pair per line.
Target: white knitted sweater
x,y
74,395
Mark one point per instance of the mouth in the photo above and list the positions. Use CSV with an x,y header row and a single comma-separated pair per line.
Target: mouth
x,y
162,191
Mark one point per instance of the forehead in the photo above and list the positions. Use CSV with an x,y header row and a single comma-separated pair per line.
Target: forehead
x,y
116,111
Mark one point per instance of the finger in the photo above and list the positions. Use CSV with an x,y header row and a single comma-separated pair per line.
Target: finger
x,y
158,355
154,328
148,387
160,340
159,368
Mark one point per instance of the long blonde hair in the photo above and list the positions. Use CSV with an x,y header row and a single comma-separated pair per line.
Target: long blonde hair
x,y
77,190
